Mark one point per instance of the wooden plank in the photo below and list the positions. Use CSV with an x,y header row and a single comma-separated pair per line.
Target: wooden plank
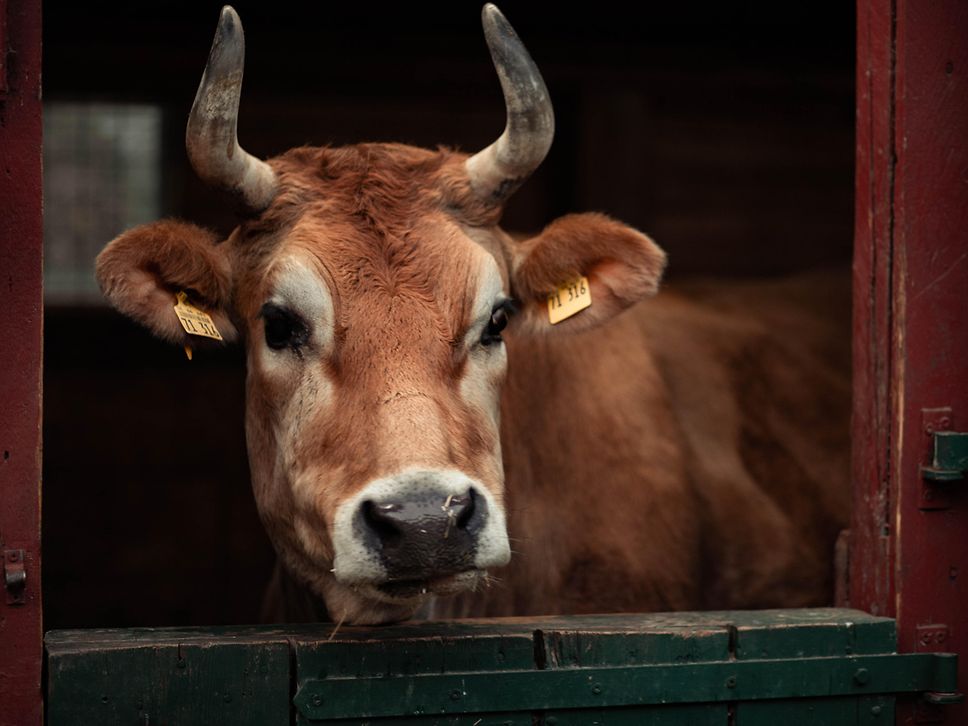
x,y
60,641
805,639
874,710
615,686
473,719
713,714
931,317
872,554
632,645
21,325
909,555
231,683
814,640
575,648
575,644
409,650
179,675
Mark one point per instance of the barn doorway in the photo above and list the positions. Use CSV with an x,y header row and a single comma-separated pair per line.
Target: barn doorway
x,y
910,322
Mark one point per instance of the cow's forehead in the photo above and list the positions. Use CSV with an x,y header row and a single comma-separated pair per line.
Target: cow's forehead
x,y
434,270
372,222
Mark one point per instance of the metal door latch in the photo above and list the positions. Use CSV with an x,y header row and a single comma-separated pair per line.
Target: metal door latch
x,y
14,576
949,460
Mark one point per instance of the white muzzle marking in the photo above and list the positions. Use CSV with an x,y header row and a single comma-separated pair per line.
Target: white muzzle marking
x,y
356,563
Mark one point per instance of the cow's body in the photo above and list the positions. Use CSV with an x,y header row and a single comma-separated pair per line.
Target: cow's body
x,y
692,454
686,453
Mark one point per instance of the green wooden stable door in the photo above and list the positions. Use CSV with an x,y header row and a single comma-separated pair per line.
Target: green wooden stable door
x,y
786,667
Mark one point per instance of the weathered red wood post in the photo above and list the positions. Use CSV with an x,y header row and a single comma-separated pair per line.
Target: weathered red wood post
x,y
909,556
21,326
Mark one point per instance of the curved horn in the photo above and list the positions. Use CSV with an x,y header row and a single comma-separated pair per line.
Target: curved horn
x,y
497,171
211,138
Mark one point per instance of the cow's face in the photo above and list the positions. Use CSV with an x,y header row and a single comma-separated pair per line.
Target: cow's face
x,y
372,287
373,326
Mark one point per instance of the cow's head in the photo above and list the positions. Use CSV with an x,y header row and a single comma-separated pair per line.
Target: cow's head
x,y
372,285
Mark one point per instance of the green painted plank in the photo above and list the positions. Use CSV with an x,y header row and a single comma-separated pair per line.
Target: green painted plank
x,y
715,714
68,639
482,672
805,639
357,654
463,647
567,688
475,719
661,642
375,658
875,711
865,711
583,648
227,683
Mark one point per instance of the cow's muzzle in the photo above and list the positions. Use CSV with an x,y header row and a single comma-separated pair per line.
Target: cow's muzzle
x,y
423,534
405,533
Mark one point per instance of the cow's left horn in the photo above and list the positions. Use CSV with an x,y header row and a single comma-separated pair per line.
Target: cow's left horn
x,y
497,171
211,137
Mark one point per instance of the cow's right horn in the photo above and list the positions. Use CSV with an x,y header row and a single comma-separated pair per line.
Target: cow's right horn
x,y
497,171
211,137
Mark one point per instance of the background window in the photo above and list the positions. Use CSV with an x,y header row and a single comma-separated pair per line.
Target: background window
x,y
102,175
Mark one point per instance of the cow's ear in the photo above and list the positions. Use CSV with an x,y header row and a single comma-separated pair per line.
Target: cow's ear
x,y
143,270
621,264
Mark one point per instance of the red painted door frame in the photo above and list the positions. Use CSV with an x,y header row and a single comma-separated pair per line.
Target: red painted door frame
x,y
909,557
21,328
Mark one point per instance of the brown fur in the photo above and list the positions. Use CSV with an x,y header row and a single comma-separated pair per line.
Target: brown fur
x,y
714,472
688,453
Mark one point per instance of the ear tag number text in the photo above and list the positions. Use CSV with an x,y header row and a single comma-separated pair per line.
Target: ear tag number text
x,y
570,298
193,320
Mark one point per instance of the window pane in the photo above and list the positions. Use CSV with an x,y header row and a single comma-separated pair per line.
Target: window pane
x,y
102,175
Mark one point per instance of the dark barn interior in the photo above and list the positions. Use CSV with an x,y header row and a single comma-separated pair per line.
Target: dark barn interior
x,y
723,130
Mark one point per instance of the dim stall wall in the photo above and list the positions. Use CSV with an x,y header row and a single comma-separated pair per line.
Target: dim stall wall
x,y
725,131
153,521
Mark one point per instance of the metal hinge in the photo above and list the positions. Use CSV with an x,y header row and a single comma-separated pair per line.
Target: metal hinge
x,y
933,638
946,455
949,460
14,576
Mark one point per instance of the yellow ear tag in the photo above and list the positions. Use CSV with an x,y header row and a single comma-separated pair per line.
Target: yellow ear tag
x,y
570,298
194,321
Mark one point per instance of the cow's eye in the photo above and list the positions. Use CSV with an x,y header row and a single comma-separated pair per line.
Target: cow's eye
x,y
498,322
283,328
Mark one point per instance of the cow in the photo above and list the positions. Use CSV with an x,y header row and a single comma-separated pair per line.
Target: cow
x,y
418,427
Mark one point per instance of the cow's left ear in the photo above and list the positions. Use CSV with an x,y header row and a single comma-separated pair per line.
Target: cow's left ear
x,y
622,265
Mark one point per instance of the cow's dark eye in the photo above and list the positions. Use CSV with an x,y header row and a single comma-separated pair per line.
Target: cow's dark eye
x,y
283,328
498,322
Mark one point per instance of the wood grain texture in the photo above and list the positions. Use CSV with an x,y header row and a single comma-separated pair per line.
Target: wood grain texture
x,y
21,327
247,675
930,345
909,553
871,568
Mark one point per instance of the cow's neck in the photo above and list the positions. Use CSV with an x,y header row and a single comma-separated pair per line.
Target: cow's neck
x,y
611,520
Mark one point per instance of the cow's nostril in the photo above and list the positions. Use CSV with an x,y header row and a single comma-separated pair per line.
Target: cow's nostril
x,y
421,533
380,518
463,509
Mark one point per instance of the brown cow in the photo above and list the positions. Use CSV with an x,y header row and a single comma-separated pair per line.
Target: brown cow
x,y
689,453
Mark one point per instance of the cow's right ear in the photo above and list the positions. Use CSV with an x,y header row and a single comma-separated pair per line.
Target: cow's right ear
x,y
142,271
